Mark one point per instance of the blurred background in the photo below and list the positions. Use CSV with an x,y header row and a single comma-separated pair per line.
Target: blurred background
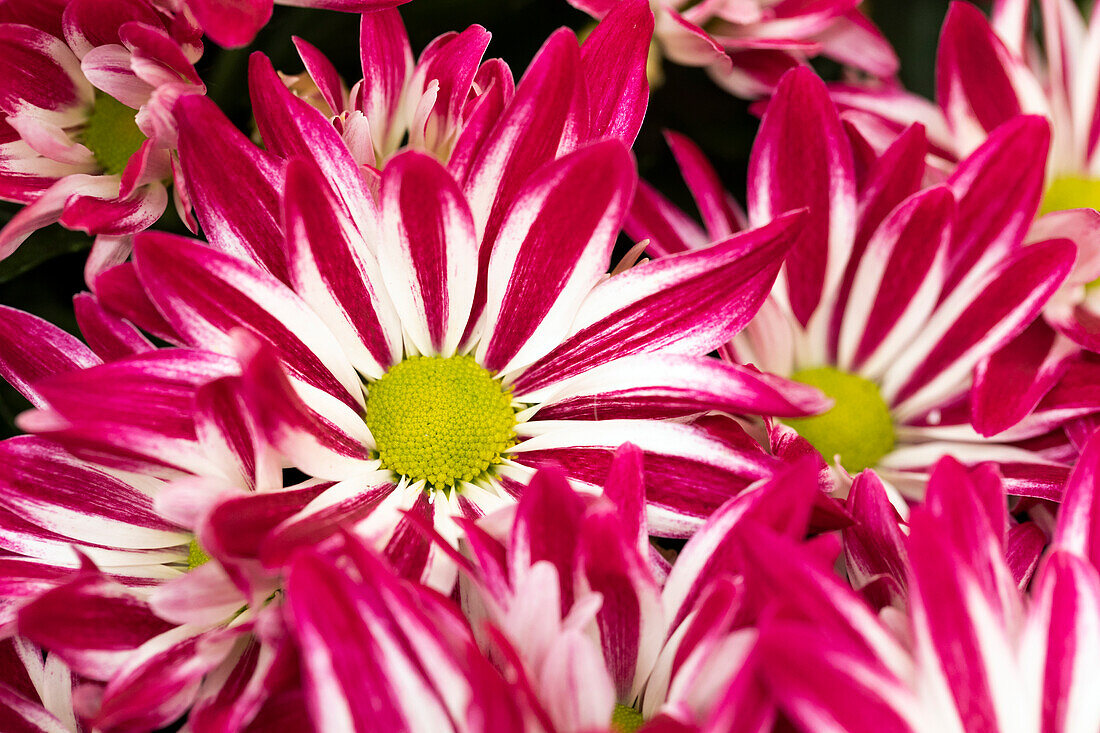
x,y
47,271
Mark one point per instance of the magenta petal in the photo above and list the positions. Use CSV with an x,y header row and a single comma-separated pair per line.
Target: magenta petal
x,y
972,85
553,246
1009,383
1078,529
240,214
38,70
428,255
109,336
335,272
828,685
92,623
32,349
687,303
613,59
547,522
789,169
43,484
291,127
720,212
205,294
998,188
387,62
1002,304
1067,618
874,547
654,386
158,683
231,23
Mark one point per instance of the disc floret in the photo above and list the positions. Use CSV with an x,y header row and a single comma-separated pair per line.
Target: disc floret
x,y
440,420
112,134
858,428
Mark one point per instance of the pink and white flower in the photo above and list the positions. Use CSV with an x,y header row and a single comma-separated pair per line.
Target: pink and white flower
x,y
445,102
747,45
88,135
338,311
967,649
895,292
987,73
565,589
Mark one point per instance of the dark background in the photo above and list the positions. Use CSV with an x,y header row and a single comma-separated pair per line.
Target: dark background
x,y
47,270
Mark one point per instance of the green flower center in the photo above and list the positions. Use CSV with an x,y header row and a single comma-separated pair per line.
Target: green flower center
x,y
858,428
111,133
625,719
196,555
1071,192
440,420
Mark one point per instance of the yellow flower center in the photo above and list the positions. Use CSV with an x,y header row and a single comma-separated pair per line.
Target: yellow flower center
x,y
440,420
1071,192
196,555
858,428
625,719
111,133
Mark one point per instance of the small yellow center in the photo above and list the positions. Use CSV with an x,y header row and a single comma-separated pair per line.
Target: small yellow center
x,y
111,133
440,420
858,428
1071,192
625,719
196,555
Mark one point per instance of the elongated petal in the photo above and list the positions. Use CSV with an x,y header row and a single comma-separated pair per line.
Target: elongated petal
x,y
688,303
93,623
1078,529
707,470
429,251
32,349
553,246
240,214
46,486
333,271
291,127
205,294
971,325
789,169
997,188
1010,382
613,59
972,85
387,62
670,385
888,306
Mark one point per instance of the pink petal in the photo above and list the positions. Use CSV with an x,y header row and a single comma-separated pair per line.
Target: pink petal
x,y
789,169
553,246
428,256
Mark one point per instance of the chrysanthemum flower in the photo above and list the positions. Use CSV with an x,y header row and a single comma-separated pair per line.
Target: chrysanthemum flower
x,y
987,73
896,292
440,350
747,45
971,652
381,653
88,130
445,102
593,622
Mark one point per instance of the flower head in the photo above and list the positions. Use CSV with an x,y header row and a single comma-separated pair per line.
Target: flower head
x,y
897,292
747,45
94,151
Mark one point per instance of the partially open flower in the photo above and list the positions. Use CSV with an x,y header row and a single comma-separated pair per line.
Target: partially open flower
x,y
88,135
